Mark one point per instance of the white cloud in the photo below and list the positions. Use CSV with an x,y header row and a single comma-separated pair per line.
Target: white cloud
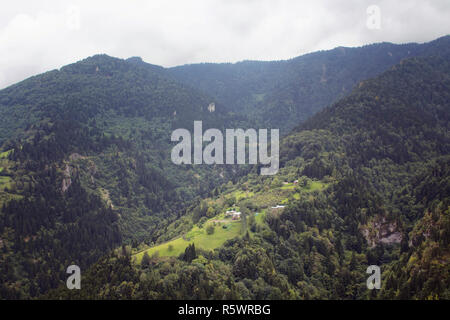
x,y
36,37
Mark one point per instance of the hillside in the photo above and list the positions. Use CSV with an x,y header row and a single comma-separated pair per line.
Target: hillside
x,y
282,94
364,182
85,165
85,169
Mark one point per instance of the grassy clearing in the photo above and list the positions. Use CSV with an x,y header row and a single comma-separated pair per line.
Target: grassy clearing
x,y
5,182
312,186
259,217
240,194
315,185
199,237
4,155
287,186
218,238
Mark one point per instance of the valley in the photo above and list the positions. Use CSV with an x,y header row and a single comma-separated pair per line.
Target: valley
x,y
86,178
254,204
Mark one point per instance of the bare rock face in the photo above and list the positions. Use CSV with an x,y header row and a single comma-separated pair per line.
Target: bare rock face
x,y
381,231
67,181
395,237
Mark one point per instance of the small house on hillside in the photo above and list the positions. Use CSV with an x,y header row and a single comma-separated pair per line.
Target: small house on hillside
x,y
230,213
236,216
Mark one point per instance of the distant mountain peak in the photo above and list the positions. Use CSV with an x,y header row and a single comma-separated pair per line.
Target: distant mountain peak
x,y
135,60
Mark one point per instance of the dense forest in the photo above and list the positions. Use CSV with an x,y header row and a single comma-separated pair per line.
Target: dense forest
x,y
86,179
282,94
92,156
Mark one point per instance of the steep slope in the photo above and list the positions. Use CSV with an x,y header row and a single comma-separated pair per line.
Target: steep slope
x,y
280,94
364,182
389,145
135,105
86,166
99,85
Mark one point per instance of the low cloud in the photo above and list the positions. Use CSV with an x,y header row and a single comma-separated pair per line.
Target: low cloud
x,y
35,38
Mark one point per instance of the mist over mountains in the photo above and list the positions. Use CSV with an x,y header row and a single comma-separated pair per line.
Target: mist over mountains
x,y
86,178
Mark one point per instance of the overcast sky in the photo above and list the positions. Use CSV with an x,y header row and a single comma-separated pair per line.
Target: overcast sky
x,y
37,36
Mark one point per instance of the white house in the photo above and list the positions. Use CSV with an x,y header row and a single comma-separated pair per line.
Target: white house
x,y
212,107
230,213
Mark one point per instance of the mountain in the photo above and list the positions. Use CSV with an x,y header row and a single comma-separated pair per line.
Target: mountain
x,y
85,165
363,182
86,176
281,94
97,86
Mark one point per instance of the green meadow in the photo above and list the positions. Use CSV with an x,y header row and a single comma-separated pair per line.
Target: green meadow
x,y
6,181
240,194
259,217
3,160
223,231
312,186
315,186
225,228
4,155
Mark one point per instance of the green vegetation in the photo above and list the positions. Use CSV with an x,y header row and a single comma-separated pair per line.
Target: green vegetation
x,y
4,155
259,217
371,184
103,135
5,183
7,197
240,194
282,94
215,231
199,237
92,181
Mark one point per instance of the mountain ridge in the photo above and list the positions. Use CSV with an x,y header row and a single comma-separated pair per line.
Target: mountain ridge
x,y
86,171
347,201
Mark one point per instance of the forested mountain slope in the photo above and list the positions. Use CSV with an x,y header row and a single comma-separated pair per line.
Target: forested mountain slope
x,y
97,86
85,165
85,168
364,182
281,94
